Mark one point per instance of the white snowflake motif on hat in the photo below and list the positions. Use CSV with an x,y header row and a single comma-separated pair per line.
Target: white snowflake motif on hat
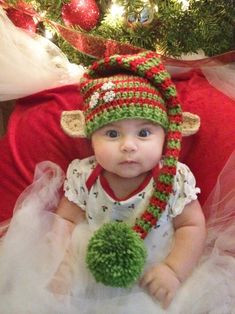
x,y
110,94
94,100
108,85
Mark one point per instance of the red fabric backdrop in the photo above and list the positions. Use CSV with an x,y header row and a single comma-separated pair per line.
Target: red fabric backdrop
x,y
34,135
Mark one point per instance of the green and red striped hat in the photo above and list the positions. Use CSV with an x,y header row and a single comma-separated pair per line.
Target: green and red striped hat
x,y
137,86
121,97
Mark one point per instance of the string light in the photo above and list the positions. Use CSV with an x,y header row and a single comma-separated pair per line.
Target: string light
x,y
185,4
116,11
156,8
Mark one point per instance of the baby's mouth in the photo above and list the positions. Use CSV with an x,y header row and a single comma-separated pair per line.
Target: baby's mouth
x,y
128,162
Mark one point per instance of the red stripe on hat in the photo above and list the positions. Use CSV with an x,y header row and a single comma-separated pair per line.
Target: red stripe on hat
x,y
140,231
156,202
176,119
174,135
123,102
148,217
172,152
148,89
116,80
164,187
168,170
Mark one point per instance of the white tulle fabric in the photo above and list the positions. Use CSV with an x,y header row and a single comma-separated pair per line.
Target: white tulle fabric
x,y
219,75
30,63
222,77
43,270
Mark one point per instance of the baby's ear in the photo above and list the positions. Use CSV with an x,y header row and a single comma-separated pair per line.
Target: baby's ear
x,y
73,123
191,123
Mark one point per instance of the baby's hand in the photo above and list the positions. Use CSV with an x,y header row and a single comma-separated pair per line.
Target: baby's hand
x,y
161,283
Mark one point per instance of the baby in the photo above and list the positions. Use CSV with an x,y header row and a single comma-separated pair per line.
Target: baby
x,y
133,118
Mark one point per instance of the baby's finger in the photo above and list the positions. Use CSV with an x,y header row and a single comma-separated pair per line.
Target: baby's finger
x,y
153,288
167,300
160,295
145,280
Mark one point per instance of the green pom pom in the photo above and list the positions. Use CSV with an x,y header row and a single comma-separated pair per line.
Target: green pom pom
x,y
116,255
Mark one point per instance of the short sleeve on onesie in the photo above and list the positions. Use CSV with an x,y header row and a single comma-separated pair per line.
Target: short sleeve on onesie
x,y
184,190
75,183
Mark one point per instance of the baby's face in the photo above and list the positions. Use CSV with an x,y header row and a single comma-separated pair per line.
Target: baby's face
x,y
129,147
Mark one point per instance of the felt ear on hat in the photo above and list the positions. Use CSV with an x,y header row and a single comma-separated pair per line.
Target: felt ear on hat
x,y
191,123
73,123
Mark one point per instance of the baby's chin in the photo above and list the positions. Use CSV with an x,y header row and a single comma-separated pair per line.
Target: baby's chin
x,y
130,174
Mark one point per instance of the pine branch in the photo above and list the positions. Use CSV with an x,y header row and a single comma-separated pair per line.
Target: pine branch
x,y
206,24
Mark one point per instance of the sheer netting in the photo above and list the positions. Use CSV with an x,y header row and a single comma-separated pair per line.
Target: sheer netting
x,y
43,268
219,71
221,208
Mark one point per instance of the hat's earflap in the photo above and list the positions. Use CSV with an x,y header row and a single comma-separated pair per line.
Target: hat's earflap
x,y
190,124
73,123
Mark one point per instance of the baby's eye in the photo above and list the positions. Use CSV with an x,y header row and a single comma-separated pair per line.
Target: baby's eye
x,y
144,133
112,133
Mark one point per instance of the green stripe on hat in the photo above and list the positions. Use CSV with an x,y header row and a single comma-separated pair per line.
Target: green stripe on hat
x,y
132,111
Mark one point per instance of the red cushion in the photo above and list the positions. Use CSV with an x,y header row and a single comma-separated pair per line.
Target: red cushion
x,y
34,135
207,151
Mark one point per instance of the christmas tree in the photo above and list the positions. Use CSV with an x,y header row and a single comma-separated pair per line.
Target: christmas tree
x,y
171,27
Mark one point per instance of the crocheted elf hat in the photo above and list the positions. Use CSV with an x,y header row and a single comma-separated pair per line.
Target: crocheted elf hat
x,y
116,97
127,87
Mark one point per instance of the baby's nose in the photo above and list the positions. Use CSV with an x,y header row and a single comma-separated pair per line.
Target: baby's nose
x,y
128,144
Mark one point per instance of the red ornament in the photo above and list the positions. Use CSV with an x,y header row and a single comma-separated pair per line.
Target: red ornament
x,y
84,13
23,16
